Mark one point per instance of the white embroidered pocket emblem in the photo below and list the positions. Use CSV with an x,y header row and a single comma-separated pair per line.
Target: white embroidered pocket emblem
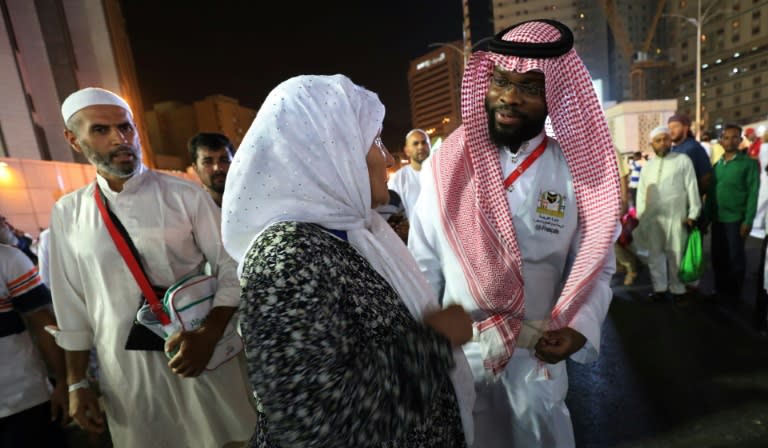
x,y
551,203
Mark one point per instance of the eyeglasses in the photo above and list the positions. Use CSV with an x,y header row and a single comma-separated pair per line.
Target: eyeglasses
x,y
531,90
382,149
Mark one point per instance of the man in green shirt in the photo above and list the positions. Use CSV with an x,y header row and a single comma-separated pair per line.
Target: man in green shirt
x,y
731,205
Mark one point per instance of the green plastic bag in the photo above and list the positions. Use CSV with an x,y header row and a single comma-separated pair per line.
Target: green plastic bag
x,y
692,265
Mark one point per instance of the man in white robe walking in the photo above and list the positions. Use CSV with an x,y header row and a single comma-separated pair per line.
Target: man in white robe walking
x,y
668,204
148,399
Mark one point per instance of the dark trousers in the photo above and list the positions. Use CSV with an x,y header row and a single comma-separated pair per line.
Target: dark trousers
x,y
31,428
761,298
632,197
728,259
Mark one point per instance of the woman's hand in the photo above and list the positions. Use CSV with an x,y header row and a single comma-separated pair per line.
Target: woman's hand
x,y
452,322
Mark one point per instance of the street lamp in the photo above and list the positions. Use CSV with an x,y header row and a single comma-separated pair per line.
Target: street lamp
x,y
698,22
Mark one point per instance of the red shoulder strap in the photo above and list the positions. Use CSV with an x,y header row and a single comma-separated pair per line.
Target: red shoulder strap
x,y
130,260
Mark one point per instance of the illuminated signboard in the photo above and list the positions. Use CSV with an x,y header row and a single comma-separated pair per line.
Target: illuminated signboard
x,y
428,62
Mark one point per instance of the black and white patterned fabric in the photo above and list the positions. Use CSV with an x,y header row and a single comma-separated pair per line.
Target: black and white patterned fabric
x,y
334,355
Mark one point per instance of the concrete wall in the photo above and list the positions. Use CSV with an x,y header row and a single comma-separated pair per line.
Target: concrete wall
x,y
630,122
29,188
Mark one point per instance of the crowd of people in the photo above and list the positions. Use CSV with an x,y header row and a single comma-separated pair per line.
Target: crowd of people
x,y
720,191
448,326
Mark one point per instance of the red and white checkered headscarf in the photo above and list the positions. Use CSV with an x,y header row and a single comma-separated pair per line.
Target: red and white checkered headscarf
x,y
475,211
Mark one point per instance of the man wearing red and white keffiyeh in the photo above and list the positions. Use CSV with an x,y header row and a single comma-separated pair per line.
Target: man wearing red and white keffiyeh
x,y
518,228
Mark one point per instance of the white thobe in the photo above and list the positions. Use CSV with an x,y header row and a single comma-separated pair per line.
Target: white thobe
x,y
406,183
523,409
667,195
43,266
176,228
758,226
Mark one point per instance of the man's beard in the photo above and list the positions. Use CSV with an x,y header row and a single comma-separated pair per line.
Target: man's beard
x,y
217,187
103,163
419,159
512,137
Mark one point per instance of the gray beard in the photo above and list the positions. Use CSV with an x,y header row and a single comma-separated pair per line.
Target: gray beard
x,y
102,163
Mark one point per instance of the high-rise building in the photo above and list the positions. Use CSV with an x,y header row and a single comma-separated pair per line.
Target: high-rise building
x,y
584,18
225,115
611,37
734,60
434,81
49,49
172,123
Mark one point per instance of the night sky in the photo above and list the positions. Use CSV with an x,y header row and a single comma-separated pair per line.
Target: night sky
x,y
185,51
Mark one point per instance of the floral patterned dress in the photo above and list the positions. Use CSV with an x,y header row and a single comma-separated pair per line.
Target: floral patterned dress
x,y
334,355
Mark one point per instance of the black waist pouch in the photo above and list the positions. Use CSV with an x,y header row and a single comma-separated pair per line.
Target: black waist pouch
x,y
141,337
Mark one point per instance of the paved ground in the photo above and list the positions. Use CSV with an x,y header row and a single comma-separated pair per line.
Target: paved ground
x,y
669,375
673,375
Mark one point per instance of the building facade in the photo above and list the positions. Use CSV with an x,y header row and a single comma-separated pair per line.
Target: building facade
x,y
630,122
592,39
49,49
434,83
171,124
734,61
619,41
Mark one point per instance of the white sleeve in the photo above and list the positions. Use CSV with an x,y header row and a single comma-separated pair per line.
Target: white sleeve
x,y
43,265
424,228
75,331
590,317
692,188
640,194
206,227
394,184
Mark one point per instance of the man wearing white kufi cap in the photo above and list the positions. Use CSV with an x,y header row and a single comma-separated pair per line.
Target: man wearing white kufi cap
x,y
667,206
175,228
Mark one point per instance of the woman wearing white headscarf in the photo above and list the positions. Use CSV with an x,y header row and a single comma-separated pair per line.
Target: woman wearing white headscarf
x,y
345,342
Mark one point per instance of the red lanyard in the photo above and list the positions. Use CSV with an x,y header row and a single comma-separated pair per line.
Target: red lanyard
x,y
517,172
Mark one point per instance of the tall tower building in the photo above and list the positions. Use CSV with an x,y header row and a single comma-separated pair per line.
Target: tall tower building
x,y
434,81
734,60
49,49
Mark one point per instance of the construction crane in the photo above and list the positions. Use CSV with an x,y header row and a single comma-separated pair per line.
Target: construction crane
x,y
637,57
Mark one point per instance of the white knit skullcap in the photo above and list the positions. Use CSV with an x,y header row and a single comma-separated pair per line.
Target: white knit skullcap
x,y
91,96
658,130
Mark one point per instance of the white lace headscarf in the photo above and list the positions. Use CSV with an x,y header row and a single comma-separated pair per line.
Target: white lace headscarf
x,y
304,159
